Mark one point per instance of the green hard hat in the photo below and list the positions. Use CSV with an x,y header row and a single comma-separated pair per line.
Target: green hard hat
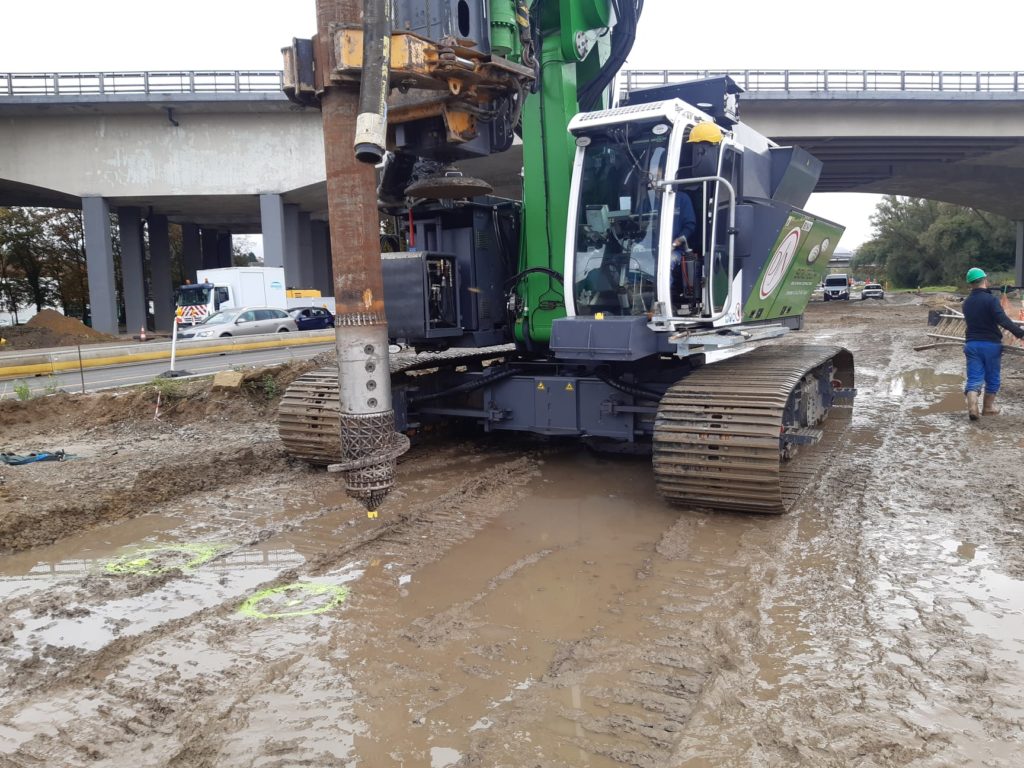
x,y
974,275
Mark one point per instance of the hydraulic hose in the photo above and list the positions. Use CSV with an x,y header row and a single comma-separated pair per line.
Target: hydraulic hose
x,y
469,386
629,389
372,121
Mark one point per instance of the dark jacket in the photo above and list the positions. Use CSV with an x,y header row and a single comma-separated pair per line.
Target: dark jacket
x,y
984,314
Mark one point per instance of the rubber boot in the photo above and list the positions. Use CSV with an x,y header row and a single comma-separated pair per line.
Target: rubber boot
x,y
972,405
990,406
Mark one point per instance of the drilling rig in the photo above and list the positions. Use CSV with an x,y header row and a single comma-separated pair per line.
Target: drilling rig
x,y
621,301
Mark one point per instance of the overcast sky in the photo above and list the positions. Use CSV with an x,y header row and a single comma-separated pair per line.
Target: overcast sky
x,y
90,35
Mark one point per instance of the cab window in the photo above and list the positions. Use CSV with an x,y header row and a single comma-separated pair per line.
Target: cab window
x,y
220,296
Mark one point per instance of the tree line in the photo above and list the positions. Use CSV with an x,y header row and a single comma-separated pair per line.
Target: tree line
x,y
922,242
42,260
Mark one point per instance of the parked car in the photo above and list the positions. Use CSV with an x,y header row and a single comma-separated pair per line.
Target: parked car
x,y
244,321
311,318
872,291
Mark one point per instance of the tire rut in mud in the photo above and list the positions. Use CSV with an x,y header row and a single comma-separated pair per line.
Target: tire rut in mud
x,y
137,695
147,488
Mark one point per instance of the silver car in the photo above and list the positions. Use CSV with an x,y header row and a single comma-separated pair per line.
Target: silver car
x,y
244,321
872,291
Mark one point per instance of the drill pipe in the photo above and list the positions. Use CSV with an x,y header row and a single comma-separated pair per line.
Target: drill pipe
x,y
369,444
372,123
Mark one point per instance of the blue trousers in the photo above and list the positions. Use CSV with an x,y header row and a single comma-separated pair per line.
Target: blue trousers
x,y
983,361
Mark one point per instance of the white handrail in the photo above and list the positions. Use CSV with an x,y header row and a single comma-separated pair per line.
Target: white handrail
x,y
732,241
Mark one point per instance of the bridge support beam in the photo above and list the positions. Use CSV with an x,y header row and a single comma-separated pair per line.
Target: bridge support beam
x,y
1019,265
307,278
191,250
133,274
210,238
224,249
323,277
272,226
160,272
292,267
99,255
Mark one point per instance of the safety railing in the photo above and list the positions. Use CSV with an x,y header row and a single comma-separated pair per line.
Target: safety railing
x,y
753,80
139,83
789,80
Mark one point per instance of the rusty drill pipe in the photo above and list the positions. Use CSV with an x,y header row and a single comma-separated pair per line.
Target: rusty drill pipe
x,y
369,445
372,123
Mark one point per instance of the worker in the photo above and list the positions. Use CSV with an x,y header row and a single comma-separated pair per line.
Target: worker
x,y
984,343
685,223
682,249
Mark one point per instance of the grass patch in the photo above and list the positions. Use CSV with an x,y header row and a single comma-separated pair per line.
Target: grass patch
x,y
168,389
22,391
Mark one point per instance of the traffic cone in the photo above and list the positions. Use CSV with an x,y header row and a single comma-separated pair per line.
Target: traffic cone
x,y
142,333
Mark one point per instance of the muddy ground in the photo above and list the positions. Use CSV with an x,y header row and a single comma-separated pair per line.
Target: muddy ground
x,y
516,604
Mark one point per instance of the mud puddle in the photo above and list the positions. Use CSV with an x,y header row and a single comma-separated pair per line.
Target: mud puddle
x,y
924,390
76,556
458,640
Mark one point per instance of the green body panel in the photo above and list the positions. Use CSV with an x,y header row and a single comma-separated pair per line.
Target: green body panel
x,y
504,30
578,16
548,154
798,263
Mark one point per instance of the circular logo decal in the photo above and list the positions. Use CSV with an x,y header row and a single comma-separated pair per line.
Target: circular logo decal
x,y
813,255
779,264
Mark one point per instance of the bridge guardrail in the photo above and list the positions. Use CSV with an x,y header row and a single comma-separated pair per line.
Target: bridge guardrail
x,y
140,82
271,81
789,80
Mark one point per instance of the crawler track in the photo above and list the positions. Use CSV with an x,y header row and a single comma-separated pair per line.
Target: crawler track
x,y
717,435
307,418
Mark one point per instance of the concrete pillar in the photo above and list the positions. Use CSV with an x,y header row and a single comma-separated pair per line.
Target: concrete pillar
x,y
99,256
323,279
192,250
160,273
1019,267
224,249
133,276
307,275
272,226
210,239
292,269
330,263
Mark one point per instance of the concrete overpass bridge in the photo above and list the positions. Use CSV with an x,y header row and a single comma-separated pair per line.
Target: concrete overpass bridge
x,y
225,152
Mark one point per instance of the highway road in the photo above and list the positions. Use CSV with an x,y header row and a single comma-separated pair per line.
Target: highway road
x,y
140,373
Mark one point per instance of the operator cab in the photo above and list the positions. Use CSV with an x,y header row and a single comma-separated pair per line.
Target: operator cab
x,y
618,221
636,246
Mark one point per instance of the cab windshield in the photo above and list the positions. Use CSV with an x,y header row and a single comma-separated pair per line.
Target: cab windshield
x,y
619,221
194,295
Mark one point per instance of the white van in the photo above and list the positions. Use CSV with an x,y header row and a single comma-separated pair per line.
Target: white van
x,y
837,287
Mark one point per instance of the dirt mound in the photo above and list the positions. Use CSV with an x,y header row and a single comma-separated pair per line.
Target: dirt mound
x,y
50,328
182,401
62,324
